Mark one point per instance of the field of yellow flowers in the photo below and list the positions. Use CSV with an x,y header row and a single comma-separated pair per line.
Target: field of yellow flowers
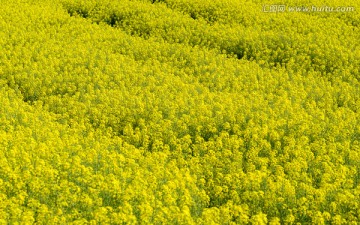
x,y
179,112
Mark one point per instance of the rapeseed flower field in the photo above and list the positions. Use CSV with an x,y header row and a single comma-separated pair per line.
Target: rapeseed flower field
x,y
179,112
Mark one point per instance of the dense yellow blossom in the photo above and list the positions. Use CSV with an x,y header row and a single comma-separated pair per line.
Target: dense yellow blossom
x,y
178,112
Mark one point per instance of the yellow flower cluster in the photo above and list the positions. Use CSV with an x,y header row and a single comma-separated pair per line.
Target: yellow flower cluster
x,y
178,112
